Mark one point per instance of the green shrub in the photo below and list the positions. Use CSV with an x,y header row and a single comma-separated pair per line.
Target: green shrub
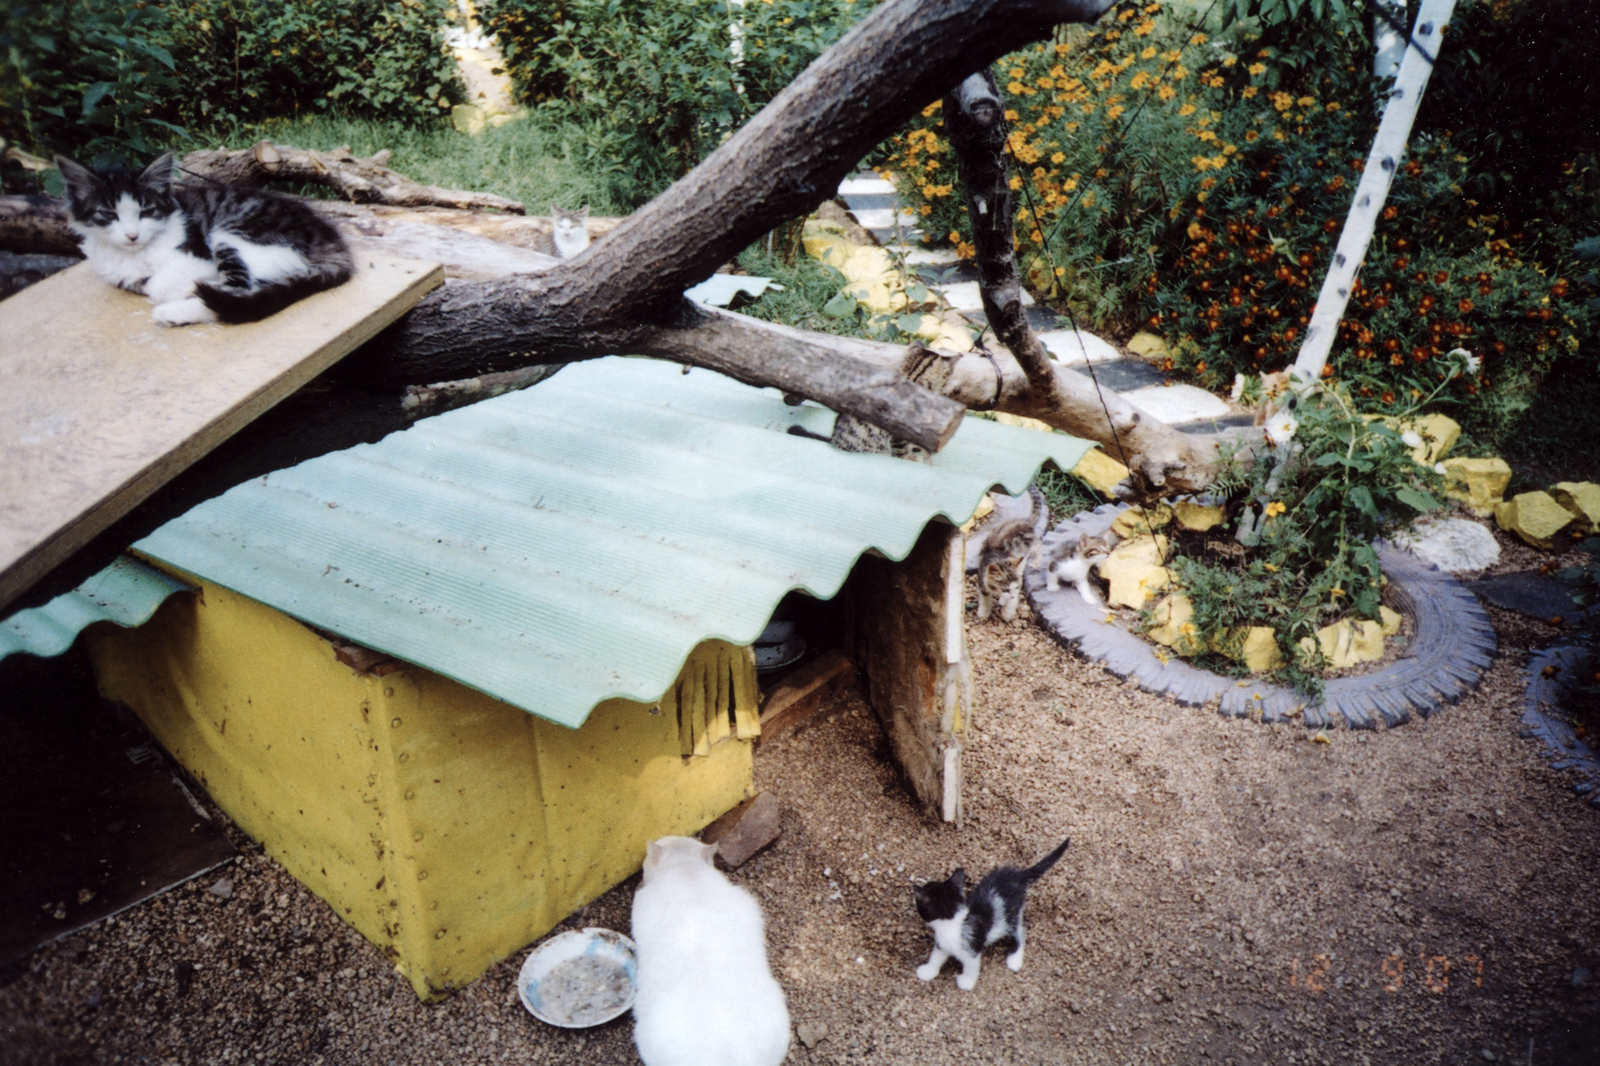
x,y
121,79
1197,185
664,71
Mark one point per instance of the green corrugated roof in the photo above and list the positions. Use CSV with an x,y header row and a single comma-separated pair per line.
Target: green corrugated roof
x,y
573,542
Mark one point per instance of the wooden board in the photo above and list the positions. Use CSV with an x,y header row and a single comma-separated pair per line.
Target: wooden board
x,y
99,406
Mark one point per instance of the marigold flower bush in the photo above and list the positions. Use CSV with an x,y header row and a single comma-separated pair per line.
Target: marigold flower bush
x,y
1196,184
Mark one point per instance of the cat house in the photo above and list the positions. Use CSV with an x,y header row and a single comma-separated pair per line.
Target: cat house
x,y
455,680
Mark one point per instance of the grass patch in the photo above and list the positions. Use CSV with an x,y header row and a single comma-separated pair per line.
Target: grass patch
x,y
536,159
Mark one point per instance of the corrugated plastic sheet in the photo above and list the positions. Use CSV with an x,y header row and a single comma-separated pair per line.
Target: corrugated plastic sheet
x,y
127,592
573,542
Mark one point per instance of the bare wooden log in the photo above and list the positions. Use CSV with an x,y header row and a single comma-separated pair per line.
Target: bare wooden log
x,y
1162,460
359,180
36,225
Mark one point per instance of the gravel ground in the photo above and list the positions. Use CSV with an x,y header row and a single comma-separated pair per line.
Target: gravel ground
x,y
1235,893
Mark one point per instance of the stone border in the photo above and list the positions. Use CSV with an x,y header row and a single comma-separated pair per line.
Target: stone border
x,y
1452,645
1540,722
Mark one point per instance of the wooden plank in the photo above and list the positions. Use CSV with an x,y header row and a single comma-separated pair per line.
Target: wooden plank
x,y
99,407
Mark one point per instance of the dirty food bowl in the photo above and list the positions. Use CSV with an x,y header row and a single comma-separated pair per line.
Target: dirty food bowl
x,y
579,978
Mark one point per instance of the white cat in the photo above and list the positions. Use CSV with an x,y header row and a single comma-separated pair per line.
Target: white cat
x,y
569,231
706,996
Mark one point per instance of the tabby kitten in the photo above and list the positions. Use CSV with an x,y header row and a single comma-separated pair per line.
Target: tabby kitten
x,y
1073,560
920,364
201,251
1007,546
568,230
963,928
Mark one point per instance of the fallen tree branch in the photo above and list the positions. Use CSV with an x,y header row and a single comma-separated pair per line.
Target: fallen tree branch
x,y
365,181
1162,460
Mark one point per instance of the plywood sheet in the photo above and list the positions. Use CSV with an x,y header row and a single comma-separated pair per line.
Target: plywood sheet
x,y
99,406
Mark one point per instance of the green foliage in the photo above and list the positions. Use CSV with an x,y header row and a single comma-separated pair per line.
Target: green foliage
x,y
664,72
1331,484
1196,183
119,80
247,60
87,76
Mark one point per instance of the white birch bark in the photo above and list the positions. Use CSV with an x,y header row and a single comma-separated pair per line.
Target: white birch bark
x,y
1387,148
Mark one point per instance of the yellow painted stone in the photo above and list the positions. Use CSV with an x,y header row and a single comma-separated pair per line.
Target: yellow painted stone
x,y
1026,423
1147,344
1260,652
951,337
1198,517
1439,434
1348,643
1172,624
447,827
870,266
1135,572
1582,498
1389,620
1100,471
826,241
877,297
1534,516
1479,483
1136,521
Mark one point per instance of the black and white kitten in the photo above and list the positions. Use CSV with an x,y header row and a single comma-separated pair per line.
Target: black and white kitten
x,y
202,251
963,927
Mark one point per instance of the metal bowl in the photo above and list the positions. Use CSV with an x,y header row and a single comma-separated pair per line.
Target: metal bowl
x,y
579,978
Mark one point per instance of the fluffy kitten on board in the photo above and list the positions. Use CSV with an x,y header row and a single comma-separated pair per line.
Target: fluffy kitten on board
x,y
1007,545
963,927
201,251
706,996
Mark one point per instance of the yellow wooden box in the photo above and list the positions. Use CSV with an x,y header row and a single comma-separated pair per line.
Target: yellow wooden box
x,y
449,828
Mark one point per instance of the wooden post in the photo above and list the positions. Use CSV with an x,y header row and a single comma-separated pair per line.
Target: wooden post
x,y
1387,148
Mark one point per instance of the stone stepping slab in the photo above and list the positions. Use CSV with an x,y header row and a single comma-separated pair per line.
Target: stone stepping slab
x,y
1542,720
872,200
1452,645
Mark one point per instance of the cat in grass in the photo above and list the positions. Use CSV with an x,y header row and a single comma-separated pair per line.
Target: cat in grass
x,y
963,926
1007,546
200,250
706,996
569,230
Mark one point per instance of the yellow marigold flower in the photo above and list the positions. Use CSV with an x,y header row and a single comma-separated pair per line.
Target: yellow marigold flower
x,y
1274,509
1229,149
1206,135
1166,92
1114,113
1282,101
1059,157
1140,80
1061,272
1016,72
1198,38
1016,183
1145,28
927,209
1069,185
1047,83
1178,74
1011,116
1229,61
928,111
1148,53
1219,161
1278,135
1201,163
1125,15
1172,57
1036,237
955,237
1251,135
1257,68
1015,88
1186,110
1306,101
1088,198
1248,91
1333,106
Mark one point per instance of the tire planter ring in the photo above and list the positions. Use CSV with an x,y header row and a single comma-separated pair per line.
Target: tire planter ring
x,y
1452,645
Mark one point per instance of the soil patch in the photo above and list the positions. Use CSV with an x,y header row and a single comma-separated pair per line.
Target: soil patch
x,y
1234,893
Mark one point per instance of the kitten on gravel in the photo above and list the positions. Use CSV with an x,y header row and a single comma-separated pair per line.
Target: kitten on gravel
x,y
706,996
1074,560
963,927
201,251
569,231
1007,546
